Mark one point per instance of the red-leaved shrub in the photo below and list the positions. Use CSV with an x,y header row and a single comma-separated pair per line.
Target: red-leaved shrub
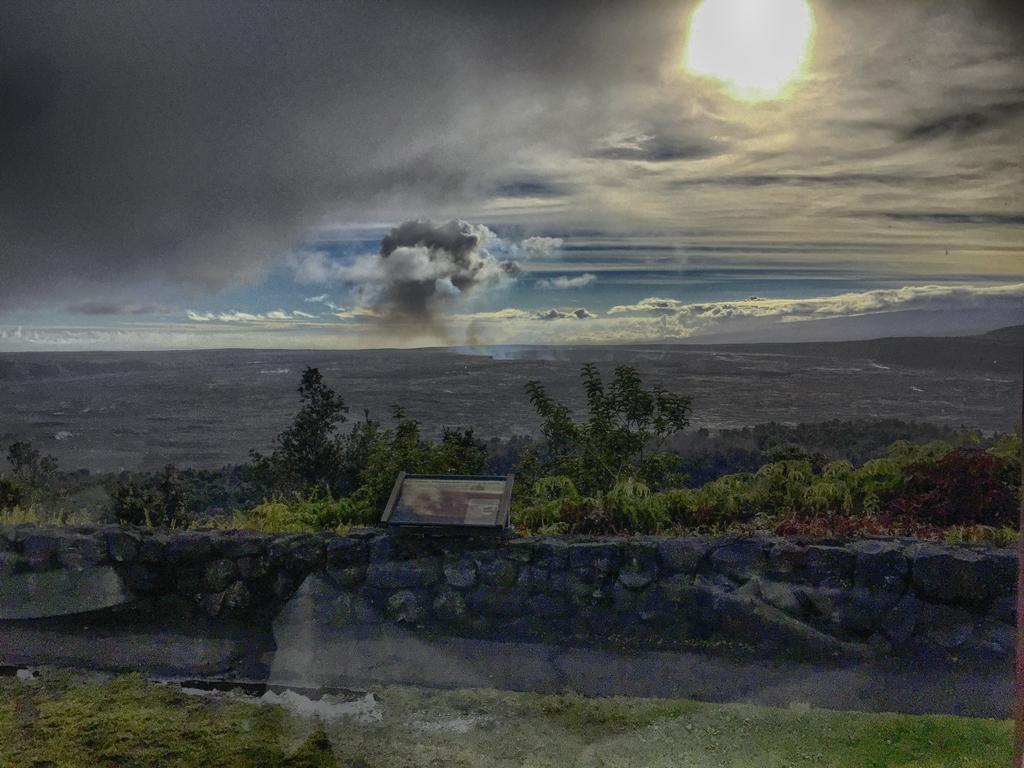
x,y
965,487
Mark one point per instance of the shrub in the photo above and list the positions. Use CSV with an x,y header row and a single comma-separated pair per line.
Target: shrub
x,y
965,487
303,513
621,439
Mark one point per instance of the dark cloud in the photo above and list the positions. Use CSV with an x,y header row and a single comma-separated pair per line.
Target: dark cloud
x,y
963,125
527,188
557,314
797,179
932,217
115,308
423,268
654,148
192,142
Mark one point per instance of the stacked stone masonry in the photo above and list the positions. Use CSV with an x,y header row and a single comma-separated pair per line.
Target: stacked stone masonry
x,y
766,595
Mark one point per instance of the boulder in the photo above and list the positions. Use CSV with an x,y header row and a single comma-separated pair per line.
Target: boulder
x,y
683,555
954,574
404,574
602,557
187,546
41,551
740,559
548,606
219,574
450,605
61,592
122,545
342,551
880,565
829,566
532,578
499,571
82,551
460,574
407,606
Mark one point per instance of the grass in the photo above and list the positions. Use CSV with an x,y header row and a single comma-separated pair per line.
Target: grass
x,y
126,721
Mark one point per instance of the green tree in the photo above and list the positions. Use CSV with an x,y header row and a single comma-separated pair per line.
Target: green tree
x,y
29,466
312,454
622,438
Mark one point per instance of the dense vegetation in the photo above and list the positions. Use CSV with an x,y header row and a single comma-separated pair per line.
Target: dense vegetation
x,y
58,721
628,466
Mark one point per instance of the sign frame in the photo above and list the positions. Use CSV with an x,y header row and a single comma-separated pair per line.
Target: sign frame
x,y
501,519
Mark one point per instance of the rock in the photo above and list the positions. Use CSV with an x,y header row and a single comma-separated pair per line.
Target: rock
x,y
11,563
497,571
781,595
945,625
739,559
460,574
603,557
407,606
450,605
239,544
640,564
341,551
861,611
253,567
187,546
61,593
953,574
899,623
305,551
771,631
635,579
80,551
829,566
404,574
716,581
151,550
552,554
122,545
785,560
497,601
139,577
818,601
521,550
40,551
683,555
548,606
1004,609
348,576
317,604
219,574
237,597
880,565
532,578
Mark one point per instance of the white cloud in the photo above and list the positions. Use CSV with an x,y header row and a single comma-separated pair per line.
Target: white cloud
x,y
539,247
236,316
564,282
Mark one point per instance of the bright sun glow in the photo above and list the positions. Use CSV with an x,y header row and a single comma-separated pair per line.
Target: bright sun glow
x,y
756,47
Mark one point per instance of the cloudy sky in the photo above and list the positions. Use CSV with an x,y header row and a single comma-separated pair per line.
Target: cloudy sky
x,y
358,174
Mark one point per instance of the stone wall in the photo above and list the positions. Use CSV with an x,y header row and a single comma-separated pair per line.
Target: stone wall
x,y
763,595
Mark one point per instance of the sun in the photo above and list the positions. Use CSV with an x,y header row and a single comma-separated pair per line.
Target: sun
x,y
756,48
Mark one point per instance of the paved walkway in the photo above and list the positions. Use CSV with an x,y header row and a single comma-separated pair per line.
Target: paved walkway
x,y
380,656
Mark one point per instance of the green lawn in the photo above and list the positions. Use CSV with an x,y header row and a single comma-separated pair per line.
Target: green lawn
x,y
127,721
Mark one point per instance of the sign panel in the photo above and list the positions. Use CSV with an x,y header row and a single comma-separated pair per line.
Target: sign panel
x,y
449,500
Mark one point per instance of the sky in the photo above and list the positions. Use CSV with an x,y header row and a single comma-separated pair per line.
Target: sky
x,y
392,174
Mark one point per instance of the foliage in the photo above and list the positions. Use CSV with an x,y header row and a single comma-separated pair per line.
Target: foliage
x,y
622,437
157,503
12,493
402,448
301,513
965,487
918,490
312,453
29,466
